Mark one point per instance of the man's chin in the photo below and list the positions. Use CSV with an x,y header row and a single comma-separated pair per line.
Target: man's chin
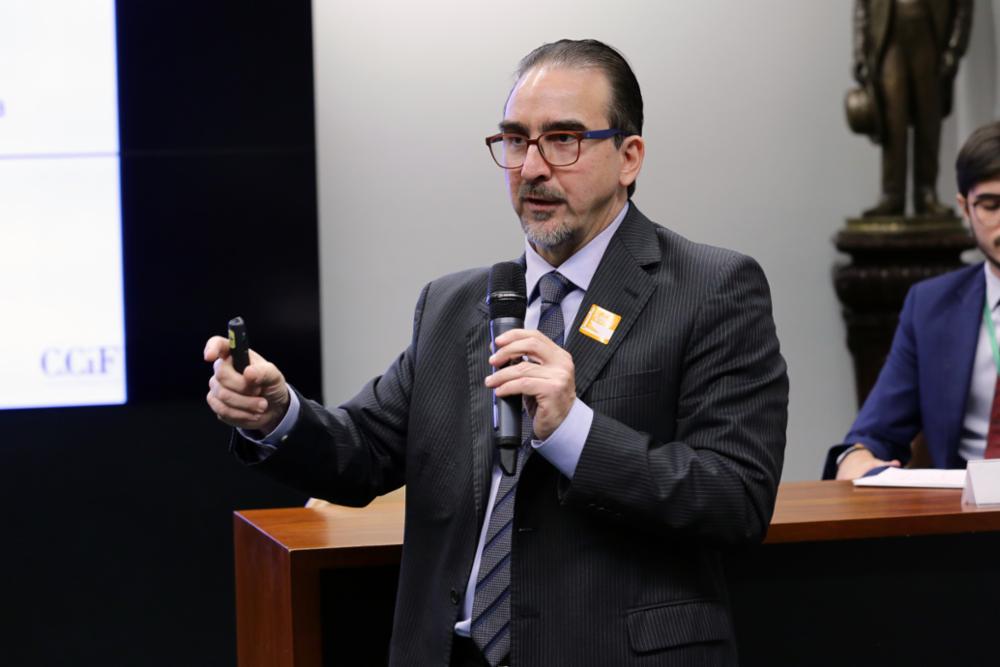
x,y
992,259
541,235
990,249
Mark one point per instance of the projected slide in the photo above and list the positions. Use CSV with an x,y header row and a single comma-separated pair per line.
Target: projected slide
x,y
61,305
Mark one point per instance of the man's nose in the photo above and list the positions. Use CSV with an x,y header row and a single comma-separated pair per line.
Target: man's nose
x,y
535,167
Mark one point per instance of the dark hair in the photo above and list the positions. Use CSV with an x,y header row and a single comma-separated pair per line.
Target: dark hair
x,y
979,159
625,108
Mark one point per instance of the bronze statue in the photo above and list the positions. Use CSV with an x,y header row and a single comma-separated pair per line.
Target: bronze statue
x,y
906,54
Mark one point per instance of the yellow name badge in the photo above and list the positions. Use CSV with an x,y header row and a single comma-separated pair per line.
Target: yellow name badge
x,y
600,324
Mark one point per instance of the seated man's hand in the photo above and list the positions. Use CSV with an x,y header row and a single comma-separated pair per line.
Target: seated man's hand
x,y
860,461
257,400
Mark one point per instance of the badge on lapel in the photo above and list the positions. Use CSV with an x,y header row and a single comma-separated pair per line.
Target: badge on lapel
x,y
600,324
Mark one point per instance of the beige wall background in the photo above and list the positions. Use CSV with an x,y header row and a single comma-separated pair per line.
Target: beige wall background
x,y
747,148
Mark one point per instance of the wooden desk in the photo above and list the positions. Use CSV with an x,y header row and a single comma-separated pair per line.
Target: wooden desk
x,y
822,511
827,540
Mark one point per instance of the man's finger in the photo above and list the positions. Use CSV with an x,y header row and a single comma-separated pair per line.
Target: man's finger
x,y
526,386
508,337
231,416
237,401
543,349
217,347
263,374
523,369
227,376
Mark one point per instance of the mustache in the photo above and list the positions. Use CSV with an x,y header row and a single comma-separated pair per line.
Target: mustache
x,y
535,191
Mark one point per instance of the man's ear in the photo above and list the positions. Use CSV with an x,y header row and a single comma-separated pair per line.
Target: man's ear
x,y
963,205
632,150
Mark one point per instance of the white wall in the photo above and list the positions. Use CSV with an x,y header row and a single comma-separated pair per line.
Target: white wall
x,y
747,148
976,86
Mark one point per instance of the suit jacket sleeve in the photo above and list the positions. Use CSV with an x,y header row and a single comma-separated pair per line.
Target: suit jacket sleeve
x,y
353,453
717,478
890,417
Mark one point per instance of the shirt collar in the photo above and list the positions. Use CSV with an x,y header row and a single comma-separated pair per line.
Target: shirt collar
x,y
581,266
992,287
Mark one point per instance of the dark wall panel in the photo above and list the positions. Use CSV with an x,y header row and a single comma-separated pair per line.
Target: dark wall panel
x,y
117,544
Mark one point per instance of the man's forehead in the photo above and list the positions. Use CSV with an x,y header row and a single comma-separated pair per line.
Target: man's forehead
x,y
990,186
555,93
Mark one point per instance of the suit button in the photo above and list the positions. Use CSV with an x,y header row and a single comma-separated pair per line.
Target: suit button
x,y
454,596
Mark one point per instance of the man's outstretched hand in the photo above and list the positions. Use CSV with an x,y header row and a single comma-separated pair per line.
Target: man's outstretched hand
x,y
256,400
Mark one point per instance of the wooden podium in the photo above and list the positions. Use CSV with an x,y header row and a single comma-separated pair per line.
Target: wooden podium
x,y
846,576
280,555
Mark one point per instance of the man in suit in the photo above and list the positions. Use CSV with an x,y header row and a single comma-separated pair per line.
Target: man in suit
x,y
941,375
658,424
909,50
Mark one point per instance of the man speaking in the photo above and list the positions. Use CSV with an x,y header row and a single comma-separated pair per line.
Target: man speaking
x,y
655,397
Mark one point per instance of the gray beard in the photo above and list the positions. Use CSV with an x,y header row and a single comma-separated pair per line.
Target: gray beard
x,y
550,238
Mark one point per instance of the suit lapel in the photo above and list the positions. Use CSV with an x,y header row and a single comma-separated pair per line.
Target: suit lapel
x,y
619,285
957,353
477,348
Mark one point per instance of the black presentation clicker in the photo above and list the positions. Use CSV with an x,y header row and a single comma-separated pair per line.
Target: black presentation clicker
x,y
239,344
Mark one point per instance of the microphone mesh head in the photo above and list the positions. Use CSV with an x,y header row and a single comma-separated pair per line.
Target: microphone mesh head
x,y
507,289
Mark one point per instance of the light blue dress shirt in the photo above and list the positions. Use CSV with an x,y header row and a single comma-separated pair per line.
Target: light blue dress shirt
x,y
976,424
563,447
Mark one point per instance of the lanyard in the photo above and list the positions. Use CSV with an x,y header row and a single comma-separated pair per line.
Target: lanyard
x,y
991,330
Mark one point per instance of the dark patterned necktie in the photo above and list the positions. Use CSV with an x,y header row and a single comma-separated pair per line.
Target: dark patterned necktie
x,y
993,434
553,288
491,605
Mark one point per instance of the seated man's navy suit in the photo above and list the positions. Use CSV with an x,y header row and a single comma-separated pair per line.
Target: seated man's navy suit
x,y
924,384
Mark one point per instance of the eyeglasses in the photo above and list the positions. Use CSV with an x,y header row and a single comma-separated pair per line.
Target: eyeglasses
x,y
559,148
986,210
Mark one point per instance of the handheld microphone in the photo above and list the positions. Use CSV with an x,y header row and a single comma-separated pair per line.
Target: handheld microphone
x,y
507,301
239,344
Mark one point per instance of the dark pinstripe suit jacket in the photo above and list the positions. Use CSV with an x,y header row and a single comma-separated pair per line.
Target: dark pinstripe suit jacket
x,y
619,566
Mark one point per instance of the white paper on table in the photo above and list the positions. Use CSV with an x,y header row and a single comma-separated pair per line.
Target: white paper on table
x,y
926,478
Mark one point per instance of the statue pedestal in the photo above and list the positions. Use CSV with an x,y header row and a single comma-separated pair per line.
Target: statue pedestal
x,y
888,255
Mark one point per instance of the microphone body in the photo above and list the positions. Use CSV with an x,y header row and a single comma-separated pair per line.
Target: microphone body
x,y
508,302
507,410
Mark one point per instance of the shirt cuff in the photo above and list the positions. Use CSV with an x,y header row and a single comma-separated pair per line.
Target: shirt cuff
x,y
269,443
850,450
564,446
